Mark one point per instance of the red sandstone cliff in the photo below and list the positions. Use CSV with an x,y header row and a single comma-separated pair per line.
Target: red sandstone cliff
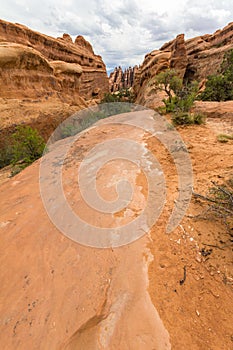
x,y
194,58
87,73
43,80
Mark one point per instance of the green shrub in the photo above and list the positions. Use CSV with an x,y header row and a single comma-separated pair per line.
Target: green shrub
x,y
169,82
223,138
27,146
215,89
185,118
181,96
123,95
109,109
220,202
5,154
219,87
110,97
186,96
170,104
199,119
182,119
22,148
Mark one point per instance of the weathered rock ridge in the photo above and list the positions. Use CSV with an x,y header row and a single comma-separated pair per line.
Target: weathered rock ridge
x,y
27,67
120,79
44,80
194,59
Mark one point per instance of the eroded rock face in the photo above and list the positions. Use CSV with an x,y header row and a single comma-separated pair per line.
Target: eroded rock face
x,y
80,41
153,64
43,80
25,73
120,79
179,59
205,53
194,59
62,49
221,110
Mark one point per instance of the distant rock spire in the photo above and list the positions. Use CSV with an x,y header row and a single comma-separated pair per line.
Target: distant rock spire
x,y
122,80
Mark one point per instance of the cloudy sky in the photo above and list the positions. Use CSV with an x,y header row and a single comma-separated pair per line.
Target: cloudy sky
x,y
121,31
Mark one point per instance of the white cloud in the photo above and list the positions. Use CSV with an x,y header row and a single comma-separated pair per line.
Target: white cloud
x,y
122,31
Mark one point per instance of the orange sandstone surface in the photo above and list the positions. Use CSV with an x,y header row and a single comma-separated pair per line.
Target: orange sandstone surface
x,y
58,294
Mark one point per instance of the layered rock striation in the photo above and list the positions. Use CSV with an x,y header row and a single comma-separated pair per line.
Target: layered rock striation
x,y
194,59
29,65
44,80
120,79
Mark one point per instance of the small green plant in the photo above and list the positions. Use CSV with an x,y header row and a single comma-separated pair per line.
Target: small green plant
x,y
109,109
198,119
181,96
169,82
224,138
220,202
5,153
182,119
26,146
185,118
110,97
219,87
123,95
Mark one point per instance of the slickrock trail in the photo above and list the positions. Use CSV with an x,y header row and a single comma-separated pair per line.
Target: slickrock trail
x,y
58,294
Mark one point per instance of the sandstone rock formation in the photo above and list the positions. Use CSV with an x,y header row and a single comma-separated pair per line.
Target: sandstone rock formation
x,y
120,79
25,73
194,59
178,59
222,110
84,43
62,49
44,80
205,53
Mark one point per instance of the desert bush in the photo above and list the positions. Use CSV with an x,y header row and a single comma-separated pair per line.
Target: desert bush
x,y
110,97
224,138
185,118
219,87
220,202
181,96
169,82
182,119
199,118
22,148
170,104
123,95
186,96
5,154
26,146
109,109
215,89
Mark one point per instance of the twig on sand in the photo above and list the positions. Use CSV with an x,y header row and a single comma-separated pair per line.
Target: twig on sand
x,y
216,246
183,280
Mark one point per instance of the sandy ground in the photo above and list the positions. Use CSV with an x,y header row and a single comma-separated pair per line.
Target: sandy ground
x,y
197,313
